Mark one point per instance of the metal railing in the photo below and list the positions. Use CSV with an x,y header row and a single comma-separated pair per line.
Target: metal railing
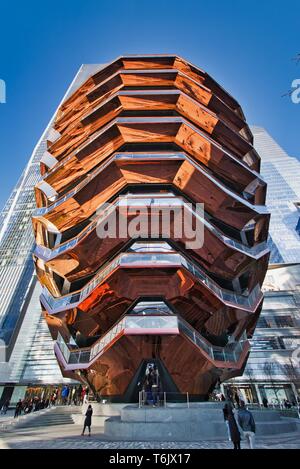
x,y
142,120
132,322
141,324
163,399
150,260
146,201
229,353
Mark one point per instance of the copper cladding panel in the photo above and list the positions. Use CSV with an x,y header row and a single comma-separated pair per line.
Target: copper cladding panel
x,y
138,102
186,364
129,64
173,130
110,300
215,256
85,125
181,174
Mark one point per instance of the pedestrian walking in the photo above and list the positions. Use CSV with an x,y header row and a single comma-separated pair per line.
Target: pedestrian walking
x,y
247,424
5,407
225,414
237,398
88,420
18,408
235,435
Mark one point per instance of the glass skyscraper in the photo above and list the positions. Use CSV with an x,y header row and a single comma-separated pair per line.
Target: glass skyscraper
x,y
273,369
282,174
26,346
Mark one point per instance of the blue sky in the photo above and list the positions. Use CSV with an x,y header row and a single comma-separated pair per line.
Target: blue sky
x,y
247,46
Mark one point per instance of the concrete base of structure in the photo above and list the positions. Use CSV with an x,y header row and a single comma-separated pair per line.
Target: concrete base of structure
x,y
200,421
100,413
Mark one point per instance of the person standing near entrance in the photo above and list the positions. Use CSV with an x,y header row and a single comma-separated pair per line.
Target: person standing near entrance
x,y
247,424
64,395
88,420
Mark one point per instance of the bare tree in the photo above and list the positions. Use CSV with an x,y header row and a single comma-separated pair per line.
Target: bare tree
x,y
249,374
269,370
292,373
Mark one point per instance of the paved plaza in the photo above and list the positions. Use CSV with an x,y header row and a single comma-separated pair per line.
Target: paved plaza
x,y
69,437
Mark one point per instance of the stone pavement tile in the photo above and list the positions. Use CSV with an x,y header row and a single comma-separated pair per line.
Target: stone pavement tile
x,y
86,442
68,436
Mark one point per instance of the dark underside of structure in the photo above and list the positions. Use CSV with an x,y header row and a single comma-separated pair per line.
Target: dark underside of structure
x,y
145,138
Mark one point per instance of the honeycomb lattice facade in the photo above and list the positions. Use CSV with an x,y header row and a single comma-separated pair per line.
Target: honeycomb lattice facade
x,y
150,130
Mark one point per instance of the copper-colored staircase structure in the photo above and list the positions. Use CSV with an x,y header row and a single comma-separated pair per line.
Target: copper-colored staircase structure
x,y
151,130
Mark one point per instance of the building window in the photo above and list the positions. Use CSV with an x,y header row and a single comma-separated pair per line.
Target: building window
x,y
262,322
265,343
291,343
279,302
284,321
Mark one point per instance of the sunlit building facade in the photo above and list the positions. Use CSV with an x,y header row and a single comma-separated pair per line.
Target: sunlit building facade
x,y
273,368
282,174
26,347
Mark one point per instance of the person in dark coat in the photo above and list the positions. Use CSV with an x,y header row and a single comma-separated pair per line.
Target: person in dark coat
x,y
225,414
88,420
5,407
18,409
236,398
230,396
247,424
235,435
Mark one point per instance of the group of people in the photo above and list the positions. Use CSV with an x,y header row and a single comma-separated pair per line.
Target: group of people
x,y
66,396
75,396
151,386
30,405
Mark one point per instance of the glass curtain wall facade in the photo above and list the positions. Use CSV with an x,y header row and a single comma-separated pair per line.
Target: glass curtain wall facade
x,y
282,174
23,335
273,370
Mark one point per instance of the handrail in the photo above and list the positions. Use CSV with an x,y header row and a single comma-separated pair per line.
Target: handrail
x,y
84,355
134,260
46,253
140,156
134,120
229,353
